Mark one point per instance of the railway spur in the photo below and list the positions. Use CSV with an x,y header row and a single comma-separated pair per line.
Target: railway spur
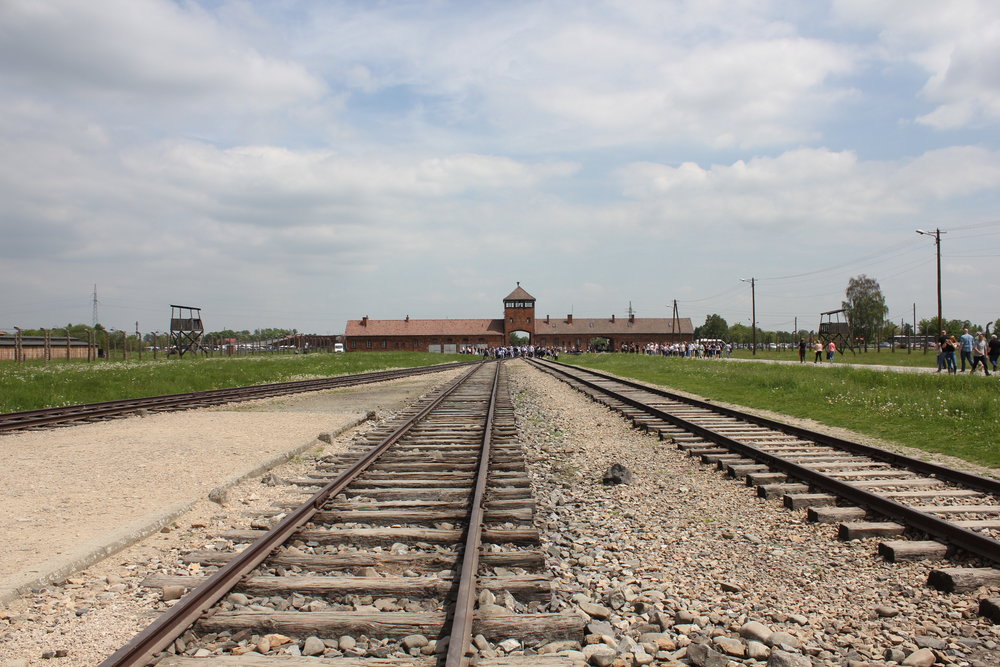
x,y
419,540
916,508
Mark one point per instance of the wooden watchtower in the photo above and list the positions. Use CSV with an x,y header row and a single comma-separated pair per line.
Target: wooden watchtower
x,y
186,328
831,328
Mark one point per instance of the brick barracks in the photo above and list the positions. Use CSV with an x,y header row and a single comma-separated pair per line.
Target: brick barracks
x,y
569,333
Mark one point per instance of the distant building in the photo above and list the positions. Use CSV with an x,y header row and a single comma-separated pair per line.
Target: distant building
x,y
366,335
35,347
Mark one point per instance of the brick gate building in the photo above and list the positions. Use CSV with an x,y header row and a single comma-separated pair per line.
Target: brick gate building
x,y
368,335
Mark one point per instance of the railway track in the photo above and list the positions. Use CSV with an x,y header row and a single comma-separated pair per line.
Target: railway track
x,y
61,416
419,541
869,492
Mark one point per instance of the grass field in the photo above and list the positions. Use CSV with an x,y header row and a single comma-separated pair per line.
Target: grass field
x,y
950,414
39,385
871,357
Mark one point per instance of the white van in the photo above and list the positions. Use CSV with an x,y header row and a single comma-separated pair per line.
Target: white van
x,y
338,347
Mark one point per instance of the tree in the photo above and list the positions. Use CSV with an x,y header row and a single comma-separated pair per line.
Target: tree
x,y
714,327
865,306
889,330
518,339
739,333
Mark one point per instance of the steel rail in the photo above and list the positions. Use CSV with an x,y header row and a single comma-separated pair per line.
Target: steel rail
x,y
159,634
971,480
13,421
461,628
967,540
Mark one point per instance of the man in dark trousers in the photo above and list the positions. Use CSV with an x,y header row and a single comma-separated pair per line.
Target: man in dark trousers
x,y
994,350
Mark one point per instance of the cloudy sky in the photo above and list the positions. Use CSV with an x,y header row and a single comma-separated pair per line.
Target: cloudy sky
x,y
297,164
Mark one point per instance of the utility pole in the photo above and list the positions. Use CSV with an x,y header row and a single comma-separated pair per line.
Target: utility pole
x,y
937,244
753,312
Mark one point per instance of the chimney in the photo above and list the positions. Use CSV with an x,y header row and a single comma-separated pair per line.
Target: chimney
x,y
612,318
407,318
631,318
546,319
364,321
569,318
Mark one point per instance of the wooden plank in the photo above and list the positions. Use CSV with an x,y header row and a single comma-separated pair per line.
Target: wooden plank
x,y
895,551
963,579
990,608
795,501
914,483
864,529
835,514
937,493
959,509
388,536
396,625
779,490
349,560
766,477
255,659
527,587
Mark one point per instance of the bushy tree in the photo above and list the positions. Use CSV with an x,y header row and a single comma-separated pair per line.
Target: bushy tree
x,y
714,327
865,306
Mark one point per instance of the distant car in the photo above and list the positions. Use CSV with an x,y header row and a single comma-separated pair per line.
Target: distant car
x,y
338,347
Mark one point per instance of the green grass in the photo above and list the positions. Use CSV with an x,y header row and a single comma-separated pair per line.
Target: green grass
x,y
948,414
871,357
39,385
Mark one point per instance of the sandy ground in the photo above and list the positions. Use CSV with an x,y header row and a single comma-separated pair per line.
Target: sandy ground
x,y
67,492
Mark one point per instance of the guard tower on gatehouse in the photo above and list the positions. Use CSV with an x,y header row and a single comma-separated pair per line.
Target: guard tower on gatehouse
x,y
519,314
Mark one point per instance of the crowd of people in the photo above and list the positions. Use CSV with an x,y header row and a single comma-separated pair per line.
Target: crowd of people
x,y
818,348
965,350
516,351
698,349
974,350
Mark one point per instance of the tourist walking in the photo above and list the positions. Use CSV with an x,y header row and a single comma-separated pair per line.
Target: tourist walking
x,y
818,349
979,353
966,341
993,350
950,346
831,351
941,361
802,350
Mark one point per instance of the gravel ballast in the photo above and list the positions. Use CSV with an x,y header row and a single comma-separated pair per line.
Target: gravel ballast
x,y
679,566
684,558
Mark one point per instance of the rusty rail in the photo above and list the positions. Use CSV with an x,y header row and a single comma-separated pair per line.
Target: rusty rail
x,y
963,538
158,635
14,421
461,627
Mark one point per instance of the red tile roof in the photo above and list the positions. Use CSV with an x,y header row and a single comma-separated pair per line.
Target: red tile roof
x,y
519,295
425,328
602,326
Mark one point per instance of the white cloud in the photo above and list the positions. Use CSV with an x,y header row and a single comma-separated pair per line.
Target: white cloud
x,y
954,42
142,50
264,181
807,187
572,77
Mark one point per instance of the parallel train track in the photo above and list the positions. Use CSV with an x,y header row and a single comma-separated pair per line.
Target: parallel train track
x,y
435,515
870,492
33,419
